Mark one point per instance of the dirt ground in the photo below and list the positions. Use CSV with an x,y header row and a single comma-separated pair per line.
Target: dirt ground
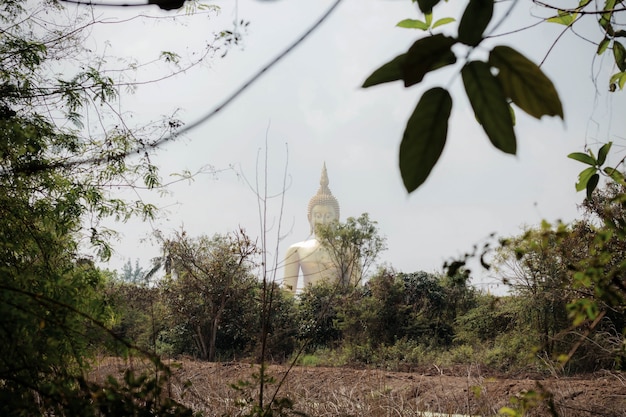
x,y
320,391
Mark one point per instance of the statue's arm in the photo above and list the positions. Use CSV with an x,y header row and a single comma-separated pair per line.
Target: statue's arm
x,y
292,267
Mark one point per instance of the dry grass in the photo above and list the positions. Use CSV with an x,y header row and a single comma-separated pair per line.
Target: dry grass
x,y
373,393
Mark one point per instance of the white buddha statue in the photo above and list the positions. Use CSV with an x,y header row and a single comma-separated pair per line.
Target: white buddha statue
x,y
309,256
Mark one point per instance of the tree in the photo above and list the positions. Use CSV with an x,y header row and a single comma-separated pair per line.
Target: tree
x,y
208,276
353,247
544,268
51,294
132,274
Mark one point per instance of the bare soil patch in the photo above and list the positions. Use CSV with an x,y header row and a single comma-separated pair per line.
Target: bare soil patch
x,y
321,391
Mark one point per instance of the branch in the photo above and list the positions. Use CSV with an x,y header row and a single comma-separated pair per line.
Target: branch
x,y
122,155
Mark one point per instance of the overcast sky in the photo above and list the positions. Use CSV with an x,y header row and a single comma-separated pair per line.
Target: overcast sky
x,y
310,109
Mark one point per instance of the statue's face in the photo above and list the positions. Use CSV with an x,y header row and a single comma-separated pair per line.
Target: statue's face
x,y
322,215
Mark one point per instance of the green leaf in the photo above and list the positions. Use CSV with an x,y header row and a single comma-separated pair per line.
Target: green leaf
x,y
413,24
490,105
620,55
525,83
619,79
592,184
584,177
563,18
424,137
425,55
475,19
443,21
426,6
583,157
615,175
604,43
391,71
603,152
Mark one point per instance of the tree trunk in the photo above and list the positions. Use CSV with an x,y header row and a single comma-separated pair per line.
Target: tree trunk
x,y
204,354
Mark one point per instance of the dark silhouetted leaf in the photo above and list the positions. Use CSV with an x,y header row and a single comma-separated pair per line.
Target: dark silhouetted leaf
x,y
583,157
475,19
168,4
603,152
592,184
425,55
584,177
426,6
620,55
490,105
525,83
391,71
424,137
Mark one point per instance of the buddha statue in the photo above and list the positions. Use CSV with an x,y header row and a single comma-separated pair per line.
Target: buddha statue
x,y
310,256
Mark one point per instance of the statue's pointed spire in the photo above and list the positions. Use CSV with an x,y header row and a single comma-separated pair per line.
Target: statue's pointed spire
x,y
324,196
324,182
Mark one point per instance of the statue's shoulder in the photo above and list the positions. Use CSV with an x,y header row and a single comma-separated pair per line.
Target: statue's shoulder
x,y
306,244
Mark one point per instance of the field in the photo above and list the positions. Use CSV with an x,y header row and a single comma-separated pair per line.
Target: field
x,y
321,391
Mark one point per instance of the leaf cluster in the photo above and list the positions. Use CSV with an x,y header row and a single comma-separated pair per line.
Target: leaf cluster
x,y
506,77
353,247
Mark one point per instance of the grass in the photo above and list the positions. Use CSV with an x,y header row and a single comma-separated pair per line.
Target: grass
x,y
321,391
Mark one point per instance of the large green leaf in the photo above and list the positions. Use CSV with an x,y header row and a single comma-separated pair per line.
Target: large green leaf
x,y
426,6
490,105
443,21
413,24
525,83
584,177
620,55
583,157
424,137
563,18
391,71
425,55
475,19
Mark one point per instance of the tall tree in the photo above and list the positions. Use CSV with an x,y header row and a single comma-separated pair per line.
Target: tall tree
x,y
208,276
353,247
51,310
545,268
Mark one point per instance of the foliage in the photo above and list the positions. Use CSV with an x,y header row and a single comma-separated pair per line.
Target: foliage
x,y
133,274
491,86
317,313
490,317
353,247
53,301
545,268
205,277
281,330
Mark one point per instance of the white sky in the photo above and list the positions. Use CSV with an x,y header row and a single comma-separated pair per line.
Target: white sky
x,y
313,103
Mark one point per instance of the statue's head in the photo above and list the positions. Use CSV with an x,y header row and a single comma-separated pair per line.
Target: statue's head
x,y
323,207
